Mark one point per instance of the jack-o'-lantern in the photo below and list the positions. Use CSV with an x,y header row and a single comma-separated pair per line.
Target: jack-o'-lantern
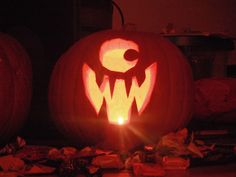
x,y
15,86
121,89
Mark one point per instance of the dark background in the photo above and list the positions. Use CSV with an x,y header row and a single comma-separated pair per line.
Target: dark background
x,y
47,28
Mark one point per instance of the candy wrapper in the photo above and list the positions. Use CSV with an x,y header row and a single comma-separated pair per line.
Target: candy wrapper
x,y
89,152
175,163
72,167
10,163
61,154
38,170
13,147
33,153
10,174
86,152
146,169
137,157
178,144
108,161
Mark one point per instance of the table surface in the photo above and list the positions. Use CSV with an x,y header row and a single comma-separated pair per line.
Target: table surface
x,y
202,41
227,170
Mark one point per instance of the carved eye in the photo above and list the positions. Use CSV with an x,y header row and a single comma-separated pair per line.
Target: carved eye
x,y
113,52
131,54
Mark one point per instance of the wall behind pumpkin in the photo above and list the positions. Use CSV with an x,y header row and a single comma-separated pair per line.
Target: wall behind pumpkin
x,y
214,16
47,29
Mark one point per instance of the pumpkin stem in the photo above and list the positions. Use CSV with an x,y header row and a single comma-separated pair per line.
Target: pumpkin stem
x,y
120,12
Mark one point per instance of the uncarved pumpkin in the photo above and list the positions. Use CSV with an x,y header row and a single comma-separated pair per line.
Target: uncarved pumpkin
x,y
15,86
140,80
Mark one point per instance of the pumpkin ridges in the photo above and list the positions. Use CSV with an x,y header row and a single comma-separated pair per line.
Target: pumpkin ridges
x,y
175,61
164,86
60,70
8,119
6,91
176,71
163,90
75,103
58,98
186,88
20,68
23,72
84,132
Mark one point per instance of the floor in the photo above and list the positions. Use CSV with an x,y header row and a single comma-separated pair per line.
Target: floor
x,y
228,170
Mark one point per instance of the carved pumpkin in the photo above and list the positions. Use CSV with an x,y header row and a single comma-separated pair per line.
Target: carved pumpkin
x,y
15,86
121,89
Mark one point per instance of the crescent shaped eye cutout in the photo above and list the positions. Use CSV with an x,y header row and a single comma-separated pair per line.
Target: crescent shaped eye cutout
x,y
119,55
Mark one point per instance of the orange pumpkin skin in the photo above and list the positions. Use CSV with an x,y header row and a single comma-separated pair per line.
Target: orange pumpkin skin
x,y
15,86
169,107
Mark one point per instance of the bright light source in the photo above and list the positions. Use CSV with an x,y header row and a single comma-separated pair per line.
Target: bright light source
x,y
120,120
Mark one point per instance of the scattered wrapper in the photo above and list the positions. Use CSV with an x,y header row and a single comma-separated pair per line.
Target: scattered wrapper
x,y
10,174
11,163
72,167
55,154
33,153
86,152
38,170
108,161
61,154
137,157
192,148
90,152
92,169
68,151
13,147
175,163
67,169
172,152
149,154
178,144
148,169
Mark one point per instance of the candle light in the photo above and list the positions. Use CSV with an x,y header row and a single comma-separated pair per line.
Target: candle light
x,y
120,120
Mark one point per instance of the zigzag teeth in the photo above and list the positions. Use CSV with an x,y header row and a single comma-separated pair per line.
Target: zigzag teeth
x,y
140,78
99,79
128,85
112,82
128,82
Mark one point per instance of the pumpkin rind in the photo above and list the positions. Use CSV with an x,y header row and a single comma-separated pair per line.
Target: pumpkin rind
x,y
15,86
170,106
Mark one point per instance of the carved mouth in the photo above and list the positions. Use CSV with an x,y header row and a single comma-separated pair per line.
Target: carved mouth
x,y
119,94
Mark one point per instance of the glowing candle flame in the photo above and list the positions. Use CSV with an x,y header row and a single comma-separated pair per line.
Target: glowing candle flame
x,y
120,120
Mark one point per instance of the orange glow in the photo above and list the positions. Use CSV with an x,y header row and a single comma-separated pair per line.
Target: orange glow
x,y
118,104
112,55
120,120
